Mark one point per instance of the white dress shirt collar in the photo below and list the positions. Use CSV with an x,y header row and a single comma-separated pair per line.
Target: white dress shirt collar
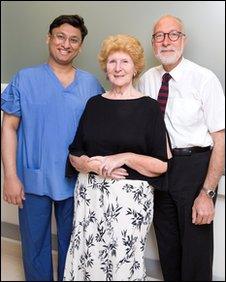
x,y
177,72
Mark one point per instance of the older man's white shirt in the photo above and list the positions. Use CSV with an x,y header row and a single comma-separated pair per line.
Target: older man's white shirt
x,y
195,106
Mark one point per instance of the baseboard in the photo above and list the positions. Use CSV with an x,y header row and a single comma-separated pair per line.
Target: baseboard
x,y
153,269
11,231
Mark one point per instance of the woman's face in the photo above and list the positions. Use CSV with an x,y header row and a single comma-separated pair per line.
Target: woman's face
x,y
120,68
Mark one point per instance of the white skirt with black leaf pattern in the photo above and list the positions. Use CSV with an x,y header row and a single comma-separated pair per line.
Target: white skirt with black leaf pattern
x,y
111,222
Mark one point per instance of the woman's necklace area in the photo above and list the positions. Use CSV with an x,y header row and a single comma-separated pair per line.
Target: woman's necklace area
x,y
114,94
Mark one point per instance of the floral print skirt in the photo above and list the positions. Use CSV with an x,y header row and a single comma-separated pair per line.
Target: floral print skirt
x,y
110,226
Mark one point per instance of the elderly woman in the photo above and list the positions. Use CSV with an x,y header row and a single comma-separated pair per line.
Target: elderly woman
x,y
120,151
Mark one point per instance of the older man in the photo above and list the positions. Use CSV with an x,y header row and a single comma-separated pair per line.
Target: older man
x,y
192,101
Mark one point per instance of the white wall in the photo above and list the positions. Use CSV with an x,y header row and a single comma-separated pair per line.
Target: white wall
x,y
219,234
204,24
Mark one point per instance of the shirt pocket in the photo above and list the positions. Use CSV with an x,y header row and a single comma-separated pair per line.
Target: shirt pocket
x,y
33,181
184,111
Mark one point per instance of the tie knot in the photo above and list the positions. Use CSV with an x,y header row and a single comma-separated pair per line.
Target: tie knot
x,y
166,77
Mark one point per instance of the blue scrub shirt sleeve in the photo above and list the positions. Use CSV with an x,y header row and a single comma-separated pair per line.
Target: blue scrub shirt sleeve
x,y
10,99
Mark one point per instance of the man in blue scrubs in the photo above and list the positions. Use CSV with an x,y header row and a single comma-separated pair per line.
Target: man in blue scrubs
x,y
42,106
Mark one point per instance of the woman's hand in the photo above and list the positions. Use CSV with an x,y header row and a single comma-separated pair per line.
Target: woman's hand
x,y
79,163
110,164
95,164
145,165
118,173
83,164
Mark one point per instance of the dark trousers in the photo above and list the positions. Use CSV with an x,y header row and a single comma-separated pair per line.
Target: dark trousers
x,y
185,249
35,230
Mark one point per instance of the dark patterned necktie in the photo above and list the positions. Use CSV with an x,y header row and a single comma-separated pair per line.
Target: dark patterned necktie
x,y
163,92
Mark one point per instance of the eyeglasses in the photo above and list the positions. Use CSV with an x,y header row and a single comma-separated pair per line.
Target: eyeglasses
x,y
61,38
172,35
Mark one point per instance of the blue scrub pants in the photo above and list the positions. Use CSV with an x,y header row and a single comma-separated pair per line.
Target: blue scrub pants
x,y
35,230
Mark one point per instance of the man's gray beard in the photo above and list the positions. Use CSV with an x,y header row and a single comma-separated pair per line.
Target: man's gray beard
x,y
171,59
167,61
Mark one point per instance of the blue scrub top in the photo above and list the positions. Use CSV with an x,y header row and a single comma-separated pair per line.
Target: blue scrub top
x,y
49,115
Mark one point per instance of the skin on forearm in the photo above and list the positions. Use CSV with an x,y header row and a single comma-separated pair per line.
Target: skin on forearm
x,y
203,208
216,165
13,191
85,164
9,144
145,165
82,164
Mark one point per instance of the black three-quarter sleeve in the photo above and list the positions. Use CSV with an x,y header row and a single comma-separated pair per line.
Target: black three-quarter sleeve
x,y
157,135
77,147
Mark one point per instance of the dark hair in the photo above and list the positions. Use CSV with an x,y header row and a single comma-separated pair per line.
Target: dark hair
x,y
74,20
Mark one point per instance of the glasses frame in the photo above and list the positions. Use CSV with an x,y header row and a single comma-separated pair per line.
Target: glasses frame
x,y
61,38
179,34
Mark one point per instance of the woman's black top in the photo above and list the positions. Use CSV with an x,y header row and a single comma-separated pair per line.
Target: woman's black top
x,y
110,127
